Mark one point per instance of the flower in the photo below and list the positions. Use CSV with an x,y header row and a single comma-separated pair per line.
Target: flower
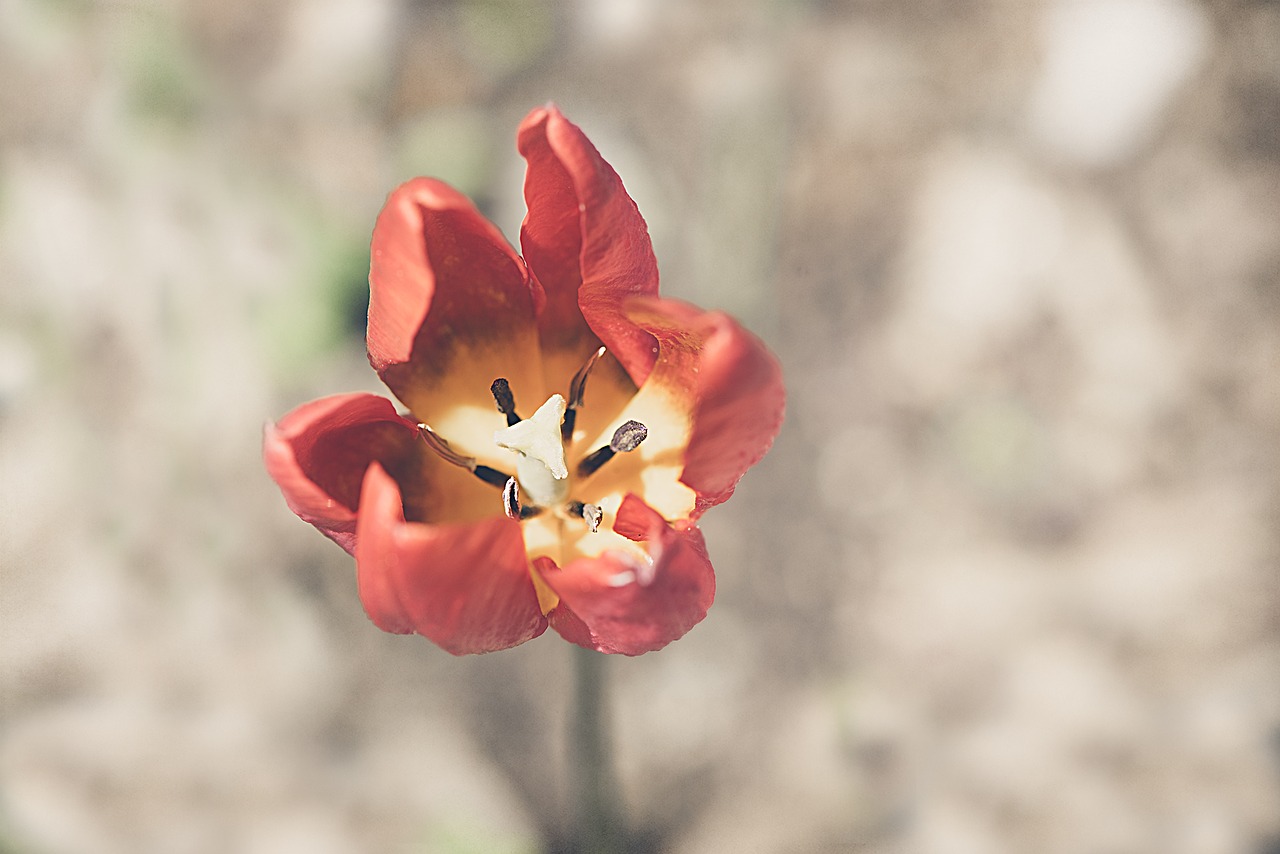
x,y
478,528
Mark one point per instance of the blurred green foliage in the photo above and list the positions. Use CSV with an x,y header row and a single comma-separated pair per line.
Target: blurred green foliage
x,y
165,85
455,837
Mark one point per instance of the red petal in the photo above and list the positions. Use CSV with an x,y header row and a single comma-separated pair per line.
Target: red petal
x,y
585,241
713,404
318,454
464,586
619,604
445,290
733,383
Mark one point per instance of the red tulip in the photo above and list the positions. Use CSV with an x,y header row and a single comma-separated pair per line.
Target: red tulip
x,y
479,528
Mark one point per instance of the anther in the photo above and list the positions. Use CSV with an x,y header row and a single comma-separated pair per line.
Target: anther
x,y
628,437
501,390
511,502
443,450
625,439
590,513
577,388
511,498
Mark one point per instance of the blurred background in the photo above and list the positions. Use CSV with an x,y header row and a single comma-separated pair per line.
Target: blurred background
x,y
1008,582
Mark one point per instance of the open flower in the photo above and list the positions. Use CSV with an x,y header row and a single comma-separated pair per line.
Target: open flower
x,y
566,428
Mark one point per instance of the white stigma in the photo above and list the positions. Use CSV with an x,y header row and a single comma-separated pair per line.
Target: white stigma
x,y
541,469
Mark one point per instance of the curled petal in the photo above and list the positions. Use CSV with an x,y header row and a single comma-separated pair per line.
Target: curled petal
x,y
738,398
623,603
713,404
451,305
466,587
318,453
586,243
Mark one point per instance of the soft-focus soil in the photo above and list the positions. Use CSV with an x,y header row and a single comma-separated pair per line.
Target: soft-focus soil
x,y
1008,582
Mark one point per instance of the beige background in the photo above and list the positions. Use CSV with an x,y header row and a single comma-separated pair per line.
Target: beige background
x,y
1007,583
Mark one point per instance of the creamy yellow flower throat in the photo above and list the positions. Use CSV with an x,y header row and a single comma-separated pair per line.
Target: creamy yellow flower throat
x,y
542,473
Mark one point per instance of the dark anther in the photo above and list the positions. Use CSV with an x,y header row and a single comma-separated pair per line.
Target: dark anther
x,y
511,502
506,401
443,450
628,437
625,439
577,388
511,498
590,513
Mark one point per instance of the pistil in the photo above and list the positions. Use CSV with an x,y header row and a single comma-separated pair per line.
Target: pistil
x,y
542,475
541,467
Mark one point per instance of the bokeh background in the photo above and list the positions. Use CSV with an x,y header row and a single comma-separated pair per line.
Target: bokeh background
x,y
1008,582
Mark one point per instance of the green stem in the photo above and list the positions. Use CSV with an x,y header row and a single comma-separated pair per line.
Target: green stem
x,y
597,819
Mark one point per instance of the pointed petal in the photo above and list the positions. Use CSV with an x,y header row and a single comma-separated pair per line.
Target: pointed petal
x,y
713,405
318,454
621,603
586,242
451,305
466,587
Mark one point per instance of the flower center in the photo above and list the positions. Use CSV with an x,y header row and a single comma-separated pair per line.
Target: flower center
x,y
542,476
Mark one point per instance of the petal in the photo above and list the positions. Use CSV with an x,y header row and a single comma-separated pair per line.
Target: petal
x,y
318,454
713,405
586,242
738,401
466,587
451,305
619,603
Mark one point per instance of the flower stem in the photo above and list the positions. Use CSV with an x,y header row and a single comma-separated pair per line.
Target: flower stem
x,y
597,819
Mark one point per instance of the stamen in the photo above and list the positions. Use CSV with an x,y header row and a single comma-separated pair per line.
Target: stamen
x,y
501,390
625,439
511,498
438,444
442,449
628,437
577,388
491,475
511,502
590,513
